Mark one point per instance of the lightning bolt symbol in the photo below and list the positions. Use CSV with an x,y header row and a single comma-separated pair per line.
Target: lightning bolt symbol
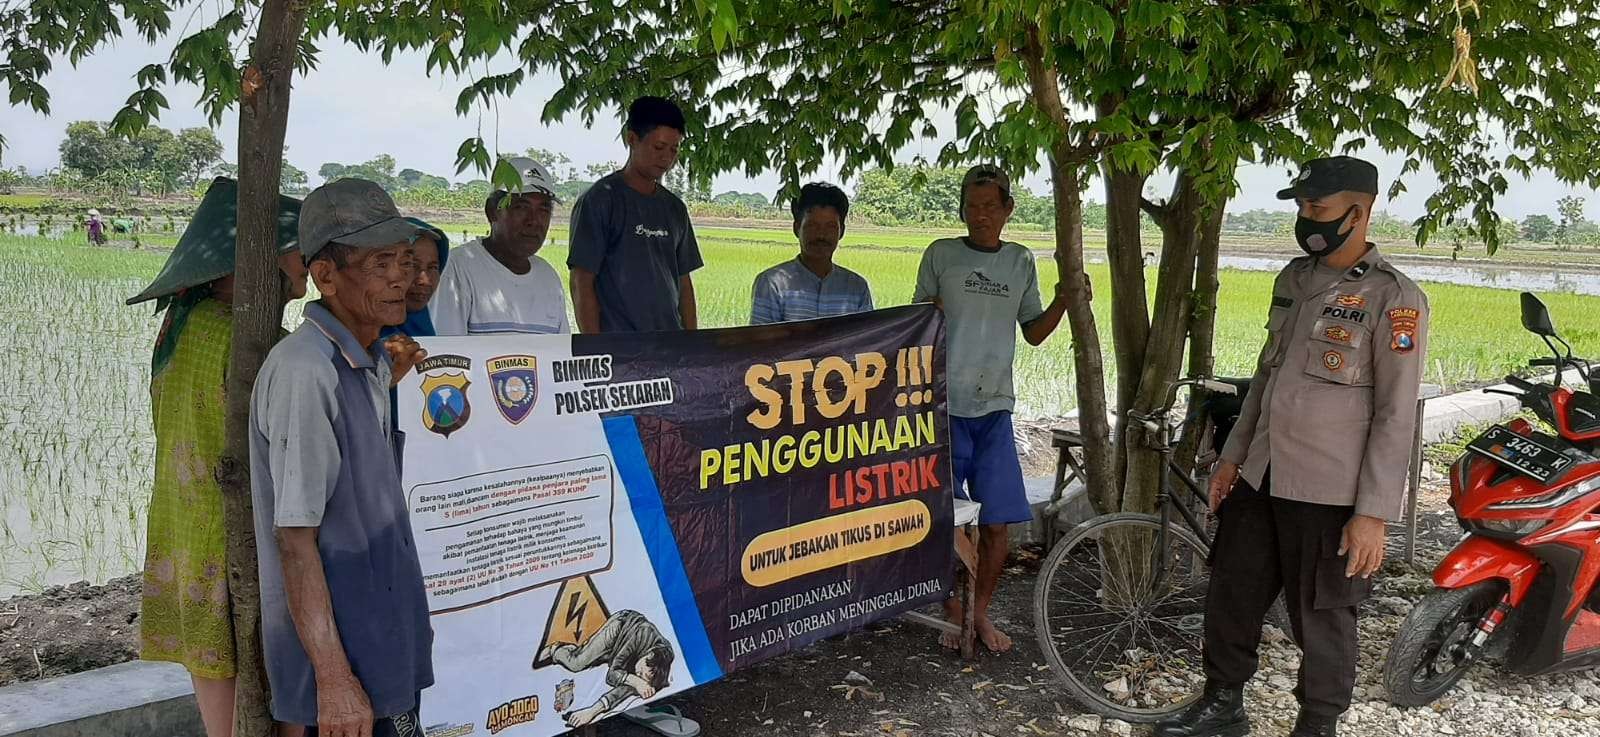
x,y
575,610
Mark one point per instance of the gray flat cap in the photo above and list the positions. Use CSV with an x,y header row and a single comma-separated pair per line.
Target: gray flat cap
x,y
352,212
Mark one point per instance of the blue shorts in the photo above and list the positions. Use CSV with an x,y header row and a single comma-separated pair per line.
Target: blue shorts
x,y
983,454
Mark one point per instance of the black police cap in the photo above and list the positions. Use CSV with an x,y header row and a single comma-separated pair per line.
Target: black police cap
x,y
1322,177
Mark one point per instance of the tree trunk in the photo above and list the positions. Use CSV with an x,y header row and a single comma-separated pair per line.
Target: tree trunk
x,y
1203,318
1066,182
257,318
1088,362
1130,316
1163,353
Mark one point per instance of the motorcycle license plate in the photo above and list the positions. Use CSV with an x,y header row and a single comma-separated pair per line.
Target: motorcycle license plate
x,y
1523,455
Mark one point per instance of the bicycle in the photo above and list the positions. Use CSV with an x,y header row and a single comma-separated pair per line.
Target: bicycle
x,y
1132,586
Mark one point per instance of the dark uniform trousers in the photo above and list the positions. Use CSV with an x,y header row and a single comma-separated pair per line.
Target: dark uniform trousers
x,y
1264,546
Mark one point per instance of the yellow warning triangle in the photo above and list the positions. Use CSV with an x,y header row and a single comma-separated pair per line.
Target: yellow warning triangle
x,y
577,614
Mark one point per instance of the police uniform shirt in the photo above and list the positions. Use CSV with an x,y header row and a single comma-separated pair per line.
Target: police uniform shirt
x,y
1332,407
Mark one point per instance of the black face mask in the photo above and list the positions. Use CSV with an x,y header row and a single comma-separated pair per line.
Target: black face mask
x,y
1319,238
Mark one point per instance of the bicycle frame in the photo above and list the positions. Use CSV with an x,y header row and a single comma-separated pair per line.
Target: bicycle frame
x,y
1161,427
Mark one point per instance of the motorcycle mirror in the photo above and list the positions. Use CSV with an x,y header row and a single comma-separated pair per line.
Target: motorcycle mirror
x,y
1536,317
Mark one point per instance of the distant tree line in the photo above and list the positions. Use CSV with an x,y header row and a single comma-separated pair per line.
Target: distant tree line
x,y
159,161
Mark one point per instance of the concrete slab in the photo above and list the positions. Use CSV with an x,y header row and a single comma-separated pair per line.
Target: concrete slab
x,y
1073,509
1443,416
136,699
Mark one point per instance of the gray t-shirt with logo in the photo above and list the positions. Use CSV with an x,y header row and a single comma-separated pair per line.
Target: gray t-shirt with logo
x,y
986,295
638,246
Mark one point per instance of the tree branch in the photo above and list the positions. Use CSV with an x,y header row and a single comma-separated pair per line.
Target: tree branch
x,y
1047,97
1156,211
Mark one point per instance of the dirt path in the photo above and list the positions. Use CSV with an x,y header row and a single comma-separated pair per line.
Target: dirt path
x,y
893,680
68,629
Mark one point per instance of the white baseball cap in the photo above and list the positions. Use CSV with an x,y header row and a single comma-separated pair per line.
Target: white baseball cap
x,y
535,178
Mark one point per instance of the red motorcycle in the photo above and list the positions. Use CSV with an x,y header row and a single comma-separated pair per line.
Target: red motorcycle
x,y
1520,587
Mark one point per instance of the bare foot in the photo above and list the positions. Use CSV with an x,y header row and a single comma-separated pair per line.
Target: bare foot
x,y
992,637
952,614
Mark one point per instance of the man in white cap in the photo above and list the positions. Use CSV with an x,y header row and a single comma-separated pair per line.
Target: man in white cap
x,y
499,284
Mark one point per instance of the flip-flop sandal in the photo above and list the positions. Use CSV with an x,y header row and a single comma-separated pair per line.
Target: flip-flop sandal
x,y
664,720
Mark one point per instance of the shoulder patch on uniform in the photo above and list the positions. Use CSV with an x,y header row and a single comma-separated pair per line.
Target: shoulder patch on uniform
x,y
1282,301
1403,329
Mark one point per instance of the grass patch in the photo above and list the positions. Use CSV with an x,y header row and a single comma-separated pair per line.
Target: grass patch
x,y
73,257
25,201
77,452
1476,335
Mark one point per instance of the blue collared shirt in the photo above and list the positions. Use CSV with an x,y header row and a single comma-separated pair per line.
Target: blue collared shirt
x,y
323,455
790,291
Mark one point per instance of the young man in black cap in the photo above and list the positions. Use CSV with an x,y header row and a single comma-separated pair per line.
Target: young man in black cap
x,y
1317,461
633,247
811,285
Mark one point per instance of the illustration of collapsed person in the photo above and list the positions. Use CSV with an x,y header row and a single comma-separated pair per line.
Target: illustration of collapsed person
x,y
637,657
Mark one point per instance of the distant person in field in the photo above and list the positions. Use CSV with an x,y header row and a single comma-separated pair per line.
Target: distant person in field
x,y
811,285
185,614
633,248
987,288
344,615
96,228
429,253
499,283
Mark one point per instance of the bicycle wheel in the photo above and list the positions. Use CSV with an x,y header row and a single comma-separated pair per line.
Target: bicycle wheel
x,y
1121,622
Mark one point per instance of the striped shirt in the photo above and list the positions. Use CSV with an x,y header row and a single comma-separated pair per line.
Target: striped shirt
x,y
789,292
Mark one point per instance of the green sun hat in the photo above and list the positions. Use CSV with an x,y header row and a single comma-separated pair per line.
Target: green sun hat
x,y
205,250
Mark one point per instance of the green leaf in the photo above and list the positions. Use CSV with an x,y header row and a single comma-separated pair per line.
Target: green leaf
x,y
151,75
472,153
504,176
967,117
724,24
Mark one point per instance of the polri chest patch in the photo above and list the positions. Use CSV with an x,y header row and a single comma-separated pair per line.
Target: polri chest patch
x,y
1348,314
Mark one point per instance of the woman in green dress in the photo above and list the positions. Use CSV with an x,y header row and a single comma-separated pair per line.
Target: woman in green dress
x,y
186,614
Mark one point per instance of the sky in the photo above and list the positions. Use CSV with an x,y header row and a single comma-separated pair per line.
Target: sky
x,y
353,108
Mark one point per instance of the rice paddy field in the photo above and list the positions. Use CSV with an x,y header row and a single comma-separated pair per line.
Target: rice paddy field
x,y
75,437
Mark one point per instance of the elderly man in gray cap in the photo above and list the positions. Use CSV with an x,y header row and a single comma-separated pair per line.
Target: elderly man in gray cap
x,y
344,615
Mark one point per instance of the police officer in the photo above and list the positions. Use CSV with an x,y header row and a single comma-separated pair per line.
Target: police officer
x,y
1318,460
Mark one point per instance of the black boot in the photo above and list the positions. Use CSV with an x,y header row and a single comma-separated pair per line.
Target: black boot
x,y
1218,713
1311,725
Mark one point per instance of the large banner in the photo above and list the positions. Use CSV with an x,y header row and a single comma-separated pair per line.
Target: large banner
x,y
604,520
